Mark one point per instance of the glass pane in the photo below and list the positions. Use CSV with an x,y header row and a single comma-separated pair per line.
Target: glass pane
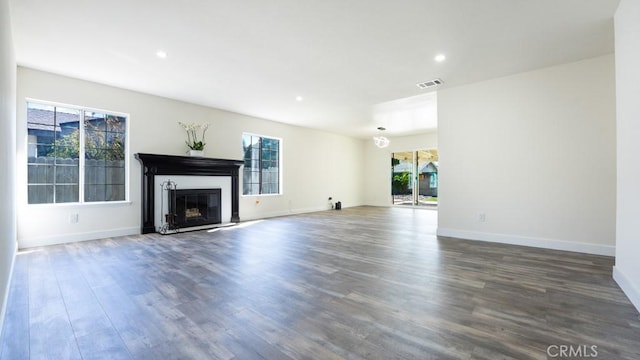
x,y
40,194
67,193
427,177
41,129
115,137
115,193
246,145
94,192
65,152
67,135
94,174
67,174
401,178
116,124
115,175
41,171
94,121
270,189
45,137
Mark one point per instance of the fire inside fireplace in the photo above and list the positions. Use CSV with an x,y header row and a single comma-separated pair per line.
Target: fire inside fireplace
x,y
195,207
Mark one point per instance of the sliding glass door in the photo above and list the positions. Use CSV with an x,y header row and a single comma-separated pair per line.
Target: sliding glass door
x,y
414,178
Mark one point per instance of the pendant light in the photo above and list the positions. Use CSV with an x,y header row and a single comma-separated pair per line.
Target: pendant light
x,y
381,141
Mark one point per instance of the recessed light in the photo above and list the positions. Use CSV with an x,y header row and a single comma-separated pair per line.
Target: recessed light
x,y
161,54
299,98
440,58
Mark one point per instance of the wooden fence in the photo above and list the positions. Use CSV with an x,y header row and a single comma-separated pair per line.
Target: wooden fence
x,y
104,180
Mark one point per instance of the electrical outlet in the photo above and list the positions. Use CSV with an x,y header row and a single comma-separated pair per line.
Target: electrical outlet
x,y
482,217
73,218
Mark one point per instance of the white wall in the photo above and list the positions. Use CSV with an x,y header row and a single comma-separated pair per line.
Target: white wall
x,y
316,164
377,164
7,155
627,30
535,153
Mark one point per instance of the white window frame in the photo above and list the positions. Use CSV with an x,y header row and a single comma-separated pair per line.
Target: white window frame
x,y
81,160
280,164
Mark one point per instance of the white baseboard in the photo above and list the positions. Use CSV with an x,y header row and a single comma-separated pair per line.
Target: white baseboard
x,y
24,243
608,250
266,215
627,287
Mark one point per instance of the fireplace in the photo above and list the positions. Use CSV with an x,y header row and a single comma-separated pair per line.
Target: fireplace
x,y
195,207
158,165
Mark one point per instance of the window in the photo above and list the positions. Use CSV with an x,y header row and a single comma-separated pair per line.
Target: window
x,y
75,155
414,177
433,181
261,165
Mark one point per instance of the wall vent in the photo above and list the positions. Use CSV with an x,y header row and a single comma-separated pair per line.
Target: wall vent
x,y
429,84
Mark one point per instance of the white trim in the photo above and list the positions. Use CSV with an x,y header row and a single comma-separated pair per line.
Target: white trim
x,y
554,244
83,204
627,287
3,311
280,167
69,238
81,149
286,213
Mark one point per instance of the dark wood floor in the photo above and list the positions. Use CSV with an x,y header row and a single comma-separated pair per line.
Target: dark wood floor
x,y
361,283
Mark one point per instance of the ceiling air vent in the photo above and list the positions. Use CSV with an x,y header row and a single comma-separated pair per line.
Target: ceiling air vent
x,y
429,84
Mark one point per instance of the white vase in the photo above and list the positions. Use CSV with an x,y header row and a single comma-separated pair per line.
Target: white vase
x,y
199,153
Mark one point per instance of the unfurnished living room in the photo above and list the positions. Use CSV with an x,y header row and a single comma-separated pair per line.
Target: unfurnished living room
x,y
291,179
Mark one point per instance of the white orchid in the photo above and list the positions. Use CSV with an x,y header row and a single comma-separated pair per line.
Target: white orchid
x,y
192,135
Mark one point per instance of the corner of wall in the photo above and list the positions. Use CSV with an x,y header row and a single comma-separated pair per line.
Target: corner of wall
x,y
5,295
627,286
627,268
8,245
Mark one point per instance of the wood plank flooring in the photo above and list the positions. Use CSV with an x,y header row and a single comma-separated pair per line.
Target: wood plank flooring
x,y
360,283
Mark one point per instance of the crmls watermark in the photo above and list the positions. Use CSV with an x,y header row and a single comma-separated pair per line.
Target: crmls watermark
x,y
572,351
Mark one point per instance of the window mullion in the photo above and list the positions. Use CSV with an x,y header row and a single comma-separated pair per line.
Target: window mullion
x,y
81,157
260,166
55,152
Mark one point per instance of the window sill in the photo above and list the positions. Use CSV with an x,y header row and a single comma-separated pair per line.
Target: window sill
x,y
260,195
87,204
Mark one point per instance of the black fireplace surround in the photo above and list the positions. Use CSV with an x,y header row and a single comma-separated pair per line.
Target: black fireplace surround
x,y
156,164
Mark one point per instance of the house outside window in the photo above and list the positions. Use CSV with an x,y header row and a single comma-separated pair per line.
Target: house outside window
x,y
261,174
75,155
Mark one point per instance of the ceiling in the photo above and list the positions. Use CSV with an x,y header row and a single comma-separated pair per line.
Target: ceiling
x,y
351,60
